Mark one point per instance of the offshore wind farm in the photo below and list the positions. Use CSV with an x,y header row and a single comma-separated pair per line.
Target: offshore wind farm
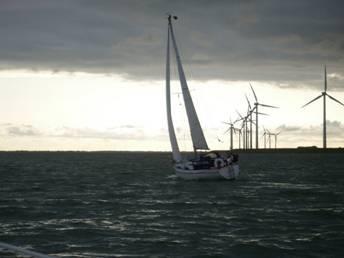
x,y
244,130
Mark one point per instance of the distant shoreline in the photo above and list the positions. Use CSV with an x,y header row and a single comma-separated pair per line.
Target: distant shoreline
x,y
292,150
272,150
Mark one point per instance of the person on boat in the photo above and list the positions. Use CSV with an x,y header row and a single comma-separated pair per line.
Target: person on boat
x,y
230,159
235,158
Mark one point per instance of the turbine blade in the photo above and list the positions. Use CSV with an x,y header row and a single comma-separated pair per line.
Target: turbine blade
x,y
311,101
255,96
235,121
264,105
336,100
248,102
241,119
259,113
239,115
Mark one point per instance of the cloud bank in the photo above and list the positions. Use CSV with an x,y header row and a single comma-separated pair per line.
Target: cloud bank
x,y
237,40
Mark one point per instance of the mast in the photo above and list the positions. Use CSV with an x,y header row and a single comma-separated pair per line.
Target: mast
x,y
197,136
173,139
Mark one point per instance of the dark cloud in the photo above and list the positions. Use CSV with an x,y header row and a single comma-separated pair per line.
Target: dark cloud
x,y
238,40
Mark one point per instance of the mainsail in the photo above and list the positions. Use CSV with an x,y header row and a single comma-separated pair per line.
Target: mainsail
x,y
197,135
173,139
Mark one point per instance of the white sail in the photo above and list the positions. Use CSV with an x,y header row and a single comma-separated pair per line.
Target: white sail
x,y
173,139
197,135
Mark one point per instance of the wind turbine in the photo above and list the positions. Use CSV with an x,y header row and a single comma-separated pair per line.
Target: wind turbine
x,y
276,134
324,94
243,130
240,133
269,134
249,114
232,130
256,104
264,135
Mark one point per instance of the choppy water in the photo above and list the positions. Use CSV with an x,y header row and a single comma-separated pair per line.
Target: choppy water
x,y
129,204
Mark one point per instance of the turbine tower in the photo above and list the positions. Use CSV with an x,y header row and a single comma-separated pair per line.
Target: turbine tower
x,y
250,119
264,135
275,135
324,94
231,130
249,114
269,135
256,104
243,129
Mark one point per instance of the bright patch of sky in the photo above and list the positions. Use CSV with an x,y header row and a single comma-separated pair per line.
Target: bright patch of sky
x,y
81,111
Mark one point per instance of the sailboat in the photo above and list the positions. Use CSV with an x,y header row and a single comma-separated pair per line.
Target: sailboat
x,y
204,164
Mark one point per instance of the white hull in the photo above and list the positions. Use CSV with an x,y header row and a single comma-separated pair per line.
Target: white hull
x,y
230,172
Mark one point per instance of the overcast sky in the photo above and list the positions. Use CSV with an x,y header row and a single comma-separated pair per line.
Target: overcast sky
x,y
237,40
85,51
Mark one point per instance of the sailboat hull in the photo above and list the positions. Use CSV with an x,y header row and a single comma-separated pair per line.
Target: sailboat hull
x,y
230,172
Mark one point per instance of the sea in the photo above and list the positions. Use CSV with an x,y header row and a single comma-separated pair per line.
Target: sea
x,y
130,204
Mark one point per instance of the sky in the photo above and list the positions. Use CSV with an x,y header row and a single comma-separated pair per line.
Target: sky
x,y
90,75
